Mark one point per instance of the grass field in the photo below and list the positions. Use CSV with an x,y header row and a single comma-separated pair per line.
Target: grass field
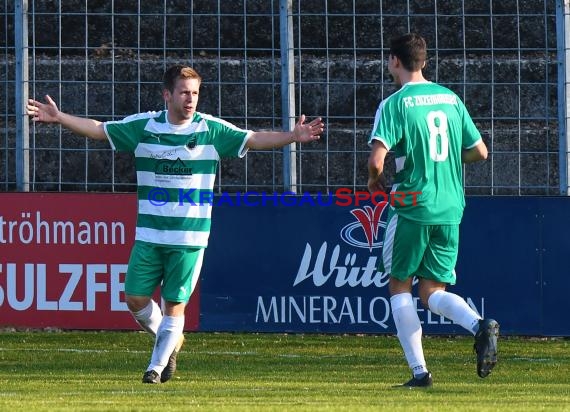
x,y
275,372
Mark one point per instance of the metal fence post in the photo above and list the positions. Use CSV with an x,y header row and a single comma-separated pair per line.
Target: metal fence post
x,y
288,92
21,86
563,45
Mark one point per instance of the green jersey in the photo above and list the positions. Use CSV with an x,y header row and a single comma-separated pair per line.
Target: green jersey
x,y
427,126
176,168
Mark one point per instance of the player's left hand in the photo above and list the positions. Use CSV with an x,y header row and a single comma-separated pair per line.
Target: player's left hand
x,y
307,132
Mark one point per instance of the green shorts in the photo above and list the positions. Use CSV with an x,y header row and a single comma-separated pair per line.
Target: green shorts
x,y
413,249
176,269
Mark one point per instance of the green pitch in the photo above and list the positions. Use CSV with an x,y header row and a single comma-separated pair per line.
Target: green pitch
x,y
99,371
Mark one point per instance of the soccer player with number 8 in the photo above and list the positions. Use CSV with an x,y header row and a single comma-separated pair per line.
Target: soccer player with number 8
x,y
431,134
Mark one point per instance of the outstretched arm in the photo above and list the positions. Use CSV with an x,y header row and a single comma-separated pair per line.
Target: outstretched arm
x,y
49,113
302,133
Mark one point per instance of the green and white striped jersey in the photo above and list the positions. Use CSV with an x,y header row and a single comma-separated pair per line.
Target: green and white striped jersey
x,y
427,126
176,168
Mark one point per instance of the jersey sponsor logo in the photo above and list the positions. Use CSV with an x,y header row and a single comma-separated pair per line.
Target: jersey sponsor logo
x,y
172,167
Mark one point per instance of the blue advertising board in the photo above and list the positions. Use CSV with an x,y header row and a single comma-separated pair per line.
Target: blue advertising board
x,y
311,267
554,275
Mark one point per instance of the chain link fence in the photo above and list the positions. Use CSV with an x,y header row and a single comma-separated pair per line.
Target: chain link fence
x,y
264,63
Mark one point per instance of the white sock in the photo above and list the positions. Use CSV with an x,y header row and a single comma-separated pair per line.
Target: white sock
x,y
149,317
454,308
167,337
409,331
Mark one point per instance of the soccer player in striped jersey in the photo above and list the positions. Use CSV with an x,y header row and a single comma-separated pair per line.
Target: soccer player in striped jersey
x,y
431,134
177,152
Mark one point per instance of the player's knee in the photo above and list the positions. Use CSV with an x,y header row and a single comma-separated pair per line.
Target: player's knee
x,y
136,303
174,308
426,290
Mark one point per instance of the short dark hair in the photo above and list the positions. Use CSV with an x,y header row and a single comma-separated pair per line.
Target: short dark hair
x,y
176,72
411,49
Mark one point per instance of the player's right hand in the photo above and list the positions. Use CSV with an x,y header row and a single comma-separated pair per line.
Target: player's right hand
x,y
377,185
